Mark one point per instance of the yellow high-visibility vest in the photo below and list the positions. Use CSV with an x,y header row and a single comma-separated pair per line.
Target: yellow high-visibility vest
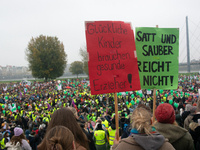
x,y
3,143
106,124
100,136
111,133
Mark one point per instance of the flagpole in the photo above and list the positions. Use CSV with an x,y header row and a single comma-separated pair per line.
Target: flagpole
x,y
154,99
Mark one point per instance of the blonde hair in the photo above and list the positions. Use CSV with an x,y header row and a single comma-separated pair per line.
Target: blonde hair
x,y
141,120
193,125
74,111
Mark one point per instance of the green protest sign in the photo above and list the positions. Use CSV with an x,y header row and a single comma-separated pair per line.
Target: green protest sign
x,y
157,52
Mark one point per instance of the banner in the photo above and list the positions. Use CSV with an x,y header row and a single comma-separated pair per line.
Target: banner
x,y
112,57
157,52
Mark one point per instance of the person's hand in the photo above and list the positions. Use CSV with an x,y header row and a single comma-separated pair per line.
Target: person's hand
x,y
115,140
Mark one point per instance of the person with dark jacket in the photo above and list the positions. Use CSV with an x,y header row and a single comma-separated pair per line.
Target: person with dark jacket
x,y
195,133
6,137
122,121
31,139
127,132
27,132
178,118
25,122
12,131
41,133
179,137
108,118
186,112
89,137
90,140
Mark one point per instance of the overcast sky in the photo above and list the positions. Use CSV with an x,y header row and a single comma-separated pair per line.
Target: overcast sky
x,y
22,19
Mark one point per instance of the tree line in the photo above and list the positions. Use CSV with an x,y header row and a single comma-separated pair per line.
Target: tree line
x,y
47,58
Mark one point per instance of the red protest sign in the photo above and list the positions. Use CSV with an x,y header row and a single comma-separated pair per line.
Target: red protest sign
x,y
112,57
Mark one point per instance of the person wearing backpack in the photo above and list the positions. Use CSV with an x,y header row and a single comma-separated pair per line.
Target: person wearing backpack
x,y
18,141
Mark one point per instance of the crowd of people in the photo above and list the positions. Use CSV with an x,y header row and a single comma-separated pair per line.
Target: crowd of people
x,y
63,115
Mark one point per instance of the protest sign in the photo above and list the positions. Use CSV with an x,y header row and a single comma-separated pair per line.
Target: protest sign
x,y
180,88
112,60
149,92
157,52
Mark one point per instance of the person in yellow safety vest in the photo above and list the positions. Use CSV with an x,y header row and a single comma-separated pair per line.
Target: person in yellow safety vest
x,y
100,138
111,132
2,142
99,121
3,145
45,119
106,124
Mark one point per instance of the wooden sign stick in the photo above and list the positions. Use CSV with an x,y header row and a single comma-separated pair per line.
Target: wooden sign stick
x,y
116,115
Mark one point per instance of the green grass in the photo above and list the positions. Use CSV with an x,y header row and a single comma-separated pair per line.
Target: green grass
x,y
42,80
10,81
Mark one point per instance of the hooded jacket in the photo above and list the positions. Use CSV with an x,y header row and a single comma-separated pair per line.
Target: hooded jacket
x,y
143,142
179,137
187,122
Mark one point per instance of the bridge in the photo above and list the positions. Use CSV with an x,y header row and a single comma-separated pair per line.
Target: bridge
x,y
194,67
190,49
191,64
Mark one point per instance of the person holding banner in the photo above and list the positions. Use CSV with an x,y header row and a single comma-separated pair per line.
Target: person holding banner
x,y
143,135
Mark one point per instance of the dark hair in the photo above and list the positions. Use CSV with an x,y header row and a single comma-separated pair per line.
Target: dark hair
x,y
65,117
16,139
5,134
99,126
33,133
